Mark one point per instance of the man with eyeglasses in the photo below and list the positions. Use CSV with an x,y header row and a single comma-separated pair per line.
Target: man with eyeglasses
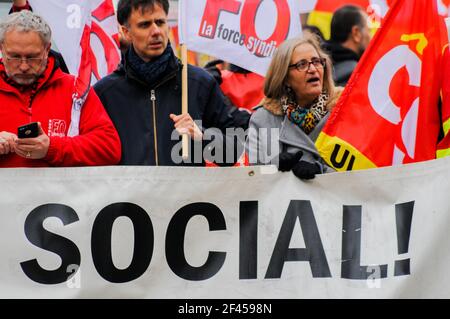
x,y
19,5
34,89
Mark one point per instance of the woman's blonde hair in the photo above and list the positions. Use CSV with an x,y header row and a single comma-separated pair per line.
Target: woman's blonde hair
x,y
275,84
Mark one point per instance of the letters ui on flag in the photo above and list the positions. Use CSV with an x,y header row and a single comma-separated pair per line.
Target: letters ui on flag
x,y
388,113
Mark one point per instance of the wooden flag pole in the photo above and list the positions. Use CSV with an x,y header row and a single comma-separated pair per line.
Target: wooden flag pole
x,y
184,98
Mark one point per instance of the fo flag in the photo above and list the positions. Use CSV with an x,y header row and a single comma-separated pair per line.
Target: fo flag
x,y
243,32
388,113
85,32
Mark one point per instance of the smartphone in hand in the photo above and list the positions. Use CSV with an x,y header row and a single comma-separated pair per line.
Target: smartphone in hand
x,y
28,130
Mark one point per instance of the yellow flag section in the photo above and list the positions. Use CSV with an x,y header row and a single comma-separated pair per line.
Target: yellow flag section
x,y
322,20
341,155
388,113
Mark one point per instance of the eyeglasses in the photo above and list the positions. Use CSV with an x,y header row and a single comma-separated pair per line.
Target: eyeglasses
x,y
304,65
17,61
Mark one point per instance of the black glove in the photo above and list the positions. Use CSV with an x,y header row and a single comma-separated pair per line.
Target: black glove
x,y
306,170
286,160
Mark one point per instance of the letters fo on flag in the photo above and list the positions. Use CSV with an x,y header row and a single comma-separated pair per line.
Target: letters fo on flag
x,y
388,113
243,32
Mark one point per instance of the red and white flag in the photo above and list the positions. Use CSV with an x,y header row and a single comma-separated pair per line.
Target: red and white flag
x,y
86,34
388,113
243,32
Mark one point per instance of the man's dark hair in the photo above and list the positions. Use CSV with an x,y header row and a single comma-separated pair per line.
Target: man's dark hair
x,y
344,19
125,7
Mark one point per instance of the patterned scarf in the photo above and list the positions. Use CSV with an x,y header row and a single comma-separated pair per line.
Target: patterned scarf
x,y
308,117
154,71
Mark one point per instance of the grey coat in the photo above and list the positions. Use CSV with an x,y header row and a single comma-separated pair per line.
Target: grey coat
x,y
270,134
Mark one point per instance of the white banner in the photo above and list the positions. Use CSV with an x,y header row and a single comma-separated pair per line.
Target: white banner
x,y
242,32
148,232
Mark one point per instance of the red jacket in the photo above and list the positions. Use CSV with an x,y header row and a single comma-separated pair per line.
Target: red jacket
x,y
51,104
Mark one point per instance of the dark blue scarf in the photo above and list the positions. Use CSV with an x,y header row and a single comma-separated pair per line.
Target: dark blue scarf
x,y
154,71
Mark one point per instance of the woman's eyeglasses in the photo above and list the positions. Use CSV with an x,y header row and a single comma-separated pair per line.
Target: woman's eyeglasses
x,y
304,65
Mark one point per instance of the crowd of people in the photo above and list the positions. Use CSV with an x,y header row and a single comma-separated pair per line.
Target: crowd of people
x,y
133,116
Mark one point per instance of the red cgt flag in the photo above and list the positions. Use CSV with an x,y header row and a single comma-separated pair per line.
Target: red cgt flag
x,y
388,113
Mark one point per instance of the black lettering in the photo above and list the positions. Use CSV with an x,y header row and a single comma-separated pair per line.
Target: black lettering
x,y
236,38
351,247
232,32
101,242
225,34
40,237
220,30
248,240
314,252
403,218
242,40
176,230
340,164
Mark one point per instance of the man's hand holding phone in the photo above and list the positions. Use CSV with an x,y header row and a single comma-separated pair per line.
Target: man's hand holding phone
x,y
32,142
7,143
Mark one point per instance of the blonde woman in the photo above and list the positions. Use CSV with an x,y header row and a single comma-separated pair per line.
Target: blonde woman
x,y
300,93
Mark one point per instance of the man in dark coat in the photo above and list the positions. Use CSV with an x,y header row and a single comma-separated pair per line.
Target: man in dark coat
x,y
143,96
350,36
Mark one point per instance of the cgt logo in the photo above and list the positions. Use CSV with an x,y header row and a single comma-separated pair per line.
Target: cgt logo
x,y
385,72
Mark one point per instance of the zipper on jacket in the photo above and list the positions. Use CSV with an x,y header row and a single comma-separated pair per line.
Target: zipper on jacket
x,y
30,108
155,131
